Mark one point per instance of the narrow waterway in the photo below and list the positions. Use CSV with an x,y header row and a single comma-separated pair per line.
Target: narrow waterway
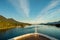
x,y
47,30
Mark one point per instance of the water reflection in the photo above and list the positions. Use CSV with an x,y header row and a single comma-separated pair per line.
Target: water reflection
x,y
48,30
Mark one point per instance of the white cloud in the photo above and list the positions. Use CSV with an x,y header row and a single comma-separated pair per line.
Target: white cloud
x,y
24,6
45,11
21,6
57,12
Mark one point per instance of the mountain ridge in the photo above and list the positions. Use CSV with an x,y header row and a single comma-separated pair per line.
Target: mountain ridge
x,y
57,24
8,23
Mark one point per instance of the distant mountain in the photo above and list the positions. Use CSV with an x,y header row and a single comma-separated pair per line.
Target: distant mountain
x,y
7,23
57,24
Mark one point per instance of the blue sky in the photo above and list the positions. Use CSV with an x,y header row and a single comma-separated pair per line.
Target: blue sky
x,y
31,11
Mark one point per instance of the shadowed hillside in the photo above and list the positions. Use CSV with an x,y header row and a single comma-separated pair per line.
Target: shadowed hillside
x,y
57,24
8,23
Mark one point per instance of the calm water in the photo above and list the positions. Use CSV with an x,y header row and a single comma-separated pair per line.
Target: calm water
x,y
48,30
